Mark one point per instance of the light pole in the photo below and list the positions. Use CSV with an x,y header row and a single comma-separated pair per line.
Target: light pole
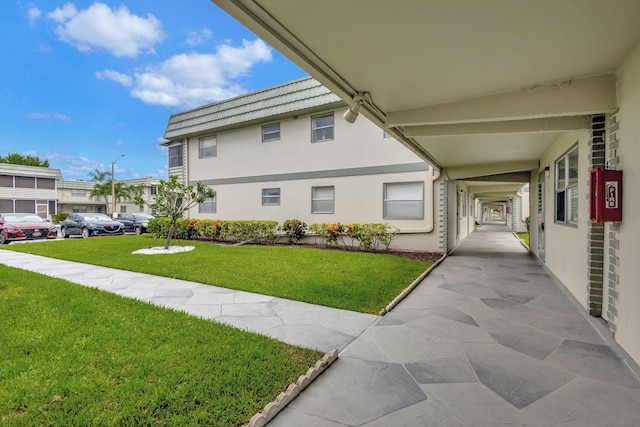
x,y
113,187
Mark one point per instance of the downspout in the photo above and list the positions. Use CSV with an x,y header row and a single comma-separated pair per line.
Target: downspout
x,y
436,175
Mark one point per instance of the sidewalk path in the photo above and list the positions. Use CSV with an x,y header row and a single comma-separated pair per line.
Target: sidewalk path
x,y
306,325
488,339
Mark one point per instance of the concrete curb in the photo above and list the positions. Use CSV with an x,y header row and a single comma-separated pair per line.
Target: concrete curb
x,y
273,408
409,288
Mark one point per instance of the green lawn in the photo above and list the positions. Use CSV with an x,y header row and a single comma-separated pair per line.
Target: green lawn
x,y
76,356
355,281
524,237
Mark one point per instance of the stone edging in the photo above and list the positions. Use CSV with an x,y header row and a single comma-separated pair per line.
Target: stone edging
x,y
409,288
273,408
523,243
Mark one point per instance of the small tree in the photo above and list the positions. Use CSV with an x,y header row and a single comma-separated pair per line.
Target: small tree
x,y
174,199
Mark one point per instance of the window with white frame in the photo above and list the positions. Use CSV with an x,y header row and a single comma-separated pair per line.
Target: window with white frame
x,y
323,200
78,209
271,132
322,128
567,187
123,208
78,193
153,190
403,200
207,147
270,197
210,205
175,156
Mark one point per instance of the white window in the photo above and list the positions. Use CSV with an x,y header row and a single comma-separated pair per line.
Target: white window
x,y
567,187
322,128
403,200
208,206
79,209
207,147
78,193
323,200
270,197
153,190
123,209
271,132
175,156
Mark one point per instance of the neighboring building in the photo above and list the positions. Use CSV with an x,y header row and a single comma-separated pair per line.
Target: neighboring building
x,y
285,152
41,190
28,189
74,197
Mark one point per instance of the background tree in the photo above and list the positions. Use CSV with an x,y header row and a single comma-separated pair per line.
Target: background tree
x,y
20,159
174,199
99,176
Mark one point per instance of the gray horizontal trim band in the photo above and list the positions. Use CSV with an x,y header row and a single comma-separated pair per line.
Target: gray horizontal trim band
x,y
332,173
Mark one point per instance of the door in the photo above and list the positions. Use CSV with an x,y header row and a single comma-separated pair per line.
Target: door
x,y
541,216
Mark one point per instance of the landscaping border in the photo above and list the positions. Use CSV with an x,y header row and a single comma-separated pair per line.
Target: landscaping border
x,y
410,288
273,408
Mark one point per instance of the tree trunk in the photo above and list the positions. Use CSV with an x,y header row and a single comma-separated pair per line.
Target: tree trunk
x,y
172,226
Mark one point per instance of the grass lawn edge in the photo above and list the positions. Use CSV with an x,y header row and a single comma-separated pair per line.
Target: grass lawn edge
x,y
402,295
273,408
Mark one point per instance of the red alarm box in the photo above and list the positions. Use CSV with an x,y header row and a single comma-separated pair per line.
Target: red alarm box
x,y
605,196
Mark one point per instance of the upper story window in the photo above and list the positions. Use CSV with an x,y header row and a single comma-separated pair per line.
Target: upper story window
x,y
322,128
270,197
46,183
25,182
78,193
153,190
403,200
207,147
323,200
271,132
567,187
6,181
175,156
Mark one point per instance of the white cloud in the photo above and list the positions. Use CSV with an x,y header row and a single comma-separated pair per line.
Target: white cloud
x,y
99,27
189,80
47,116
123,79
72,167
196,38
33,13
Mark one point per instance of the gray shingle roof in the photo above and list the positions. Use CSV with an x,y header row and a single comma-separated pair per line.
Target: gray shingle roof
x,y
293,98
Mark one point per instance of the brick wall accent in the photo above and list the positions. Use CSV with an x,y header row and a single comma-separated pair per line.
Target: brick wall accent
x,y
443,216
595,236
613,280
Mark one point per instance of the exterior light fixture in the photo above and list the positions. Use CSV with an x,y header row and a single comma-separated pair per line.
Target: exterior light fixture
x,y
352,113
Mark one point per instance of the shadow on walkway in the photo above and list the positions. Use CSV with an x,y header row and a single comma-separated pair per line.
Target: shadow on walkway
x,y
487,339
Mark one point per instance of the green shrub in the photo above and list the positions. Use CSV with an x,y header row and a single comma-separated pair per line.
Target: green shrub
x,y
59,217
159,227
370,237
294,229
527,221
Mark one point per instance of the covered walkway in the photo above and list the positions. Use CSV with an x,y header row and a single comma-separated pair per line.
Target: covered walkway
x,y
487,339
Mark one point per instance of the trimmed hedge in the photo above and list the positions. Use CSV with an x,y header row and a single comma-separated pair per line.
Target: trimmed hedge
x,y
368,237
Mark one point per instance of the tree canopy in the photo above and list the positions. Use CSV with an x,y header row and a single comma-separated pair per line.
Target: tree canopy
x,y
26,160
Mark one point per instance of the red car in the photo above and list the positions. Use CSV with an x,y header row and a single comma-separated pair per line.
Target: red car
x,y
24,226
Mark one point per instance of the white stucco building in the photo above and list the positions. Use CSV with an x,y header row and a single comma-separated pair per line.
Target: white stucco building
x,y
286,152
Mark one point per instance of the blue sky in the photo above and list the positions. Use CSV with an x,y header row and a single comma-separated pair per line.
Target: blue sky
x,y
83,82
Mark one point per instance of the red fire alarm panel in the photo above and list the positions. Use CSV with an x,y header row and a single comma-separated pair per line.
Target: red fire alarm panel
x,y
605,196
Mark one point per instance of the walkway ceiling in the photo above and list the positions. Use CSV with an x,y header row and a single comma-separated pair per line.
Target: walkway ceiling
x,y
477,87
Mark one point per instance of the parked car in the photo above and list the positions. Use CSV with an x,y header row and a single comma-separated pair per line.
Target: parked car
x,y
135,222
90,224
25,226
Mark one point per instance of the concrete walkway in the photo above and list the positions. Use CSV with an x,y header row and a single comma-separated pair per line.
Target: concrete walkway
x,y
488,339
306,325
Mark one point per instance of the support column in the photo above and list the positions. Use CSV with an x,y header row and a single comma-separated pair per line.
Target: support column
x,y
595,246
613,281
443,214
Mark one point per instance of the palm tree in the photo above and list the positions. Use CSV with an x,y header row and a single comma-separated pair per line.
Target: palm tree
x,y
99,176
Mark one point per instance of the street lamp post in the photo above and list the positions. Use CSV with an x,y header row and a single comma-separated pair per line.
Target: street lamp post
x,y
113,187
